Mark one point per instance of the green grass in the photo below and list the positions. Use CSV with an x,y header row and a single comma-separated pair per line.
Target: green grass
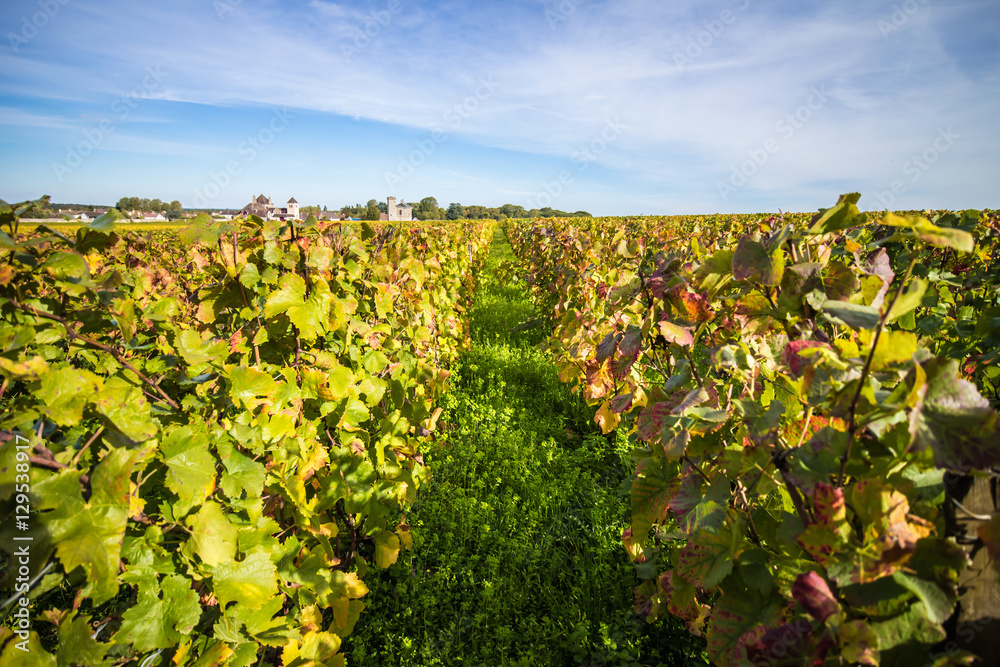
x,y
517,556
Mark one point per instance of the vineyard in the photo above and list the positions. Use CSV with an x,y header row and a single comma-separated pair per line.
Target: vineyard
x,y
742,440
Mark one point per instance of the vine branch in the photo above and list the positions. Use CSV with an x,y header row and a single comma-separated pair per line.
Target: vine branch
x,y
90,341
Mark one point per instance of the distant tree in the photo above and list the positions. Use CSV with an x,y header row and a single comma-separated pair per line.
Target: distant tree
x,y
176,207
455,211
155,205
371,211
353,211
582,214
513,211
428,209
383,207
476,212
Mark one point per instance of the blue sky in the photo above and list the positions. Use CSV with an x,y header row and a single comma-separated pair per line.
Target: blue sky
x,y
615,107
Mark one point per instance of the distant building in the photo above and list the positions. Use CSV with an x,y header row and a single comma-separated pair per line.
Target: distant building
x,y
401,211
263,207
146,216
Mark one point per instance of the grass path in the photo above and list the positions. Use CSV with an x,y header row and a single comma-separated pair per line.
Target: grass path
x,y
517,555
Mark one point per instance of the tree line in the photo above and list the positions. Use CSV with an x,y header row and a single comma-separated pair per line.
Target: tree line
x,y
429,209
172,211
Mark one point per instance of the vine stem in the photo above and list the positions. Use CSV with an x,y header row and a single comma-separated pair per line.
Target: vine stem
x,y
90,341
793,493
853,428
76,459
236,253
687,459
694,369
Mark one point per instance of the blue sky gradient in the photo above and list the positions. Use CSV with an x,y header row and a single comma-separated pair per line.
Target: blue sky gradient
x,y
616,107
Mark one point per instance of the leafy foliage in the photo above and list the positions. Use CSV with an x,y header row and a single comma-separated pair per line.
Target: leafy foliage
x,y
223,430
786,383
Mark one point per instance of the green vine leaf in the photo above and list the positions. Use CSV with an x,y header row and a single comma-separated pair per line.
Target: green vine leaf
x,y
159,623
190,467
88,534
251,582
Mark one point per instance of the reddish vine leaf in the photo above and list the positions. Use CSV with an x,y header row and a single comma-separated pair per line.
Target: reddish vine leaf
x,y
800,279
954,420
622,403
795,361
840,283
859,643
739,618
651,495
753,262
598,380
675,333
708,557
812,592
989,533
650,420
628,352
608,346
791,644
682,601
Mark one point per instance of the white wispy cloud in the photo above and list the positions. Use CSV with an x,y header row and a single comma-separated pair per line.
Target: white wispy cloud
x,y
698,86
